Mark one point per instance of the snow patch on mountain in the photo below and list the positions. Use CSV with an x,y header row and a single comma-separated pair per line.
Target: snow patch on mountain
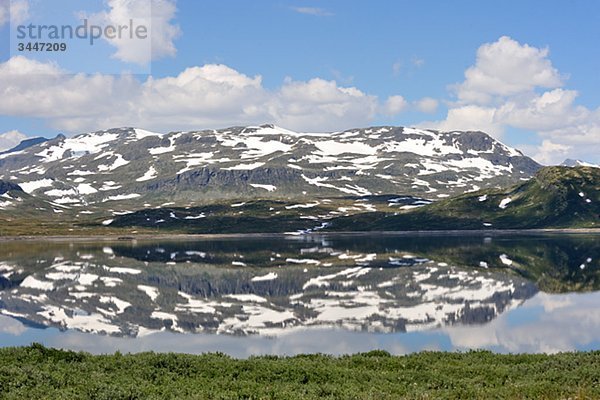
x,y
122,197
268,188
30,187
149,175
89,143
118,162
578,163
504,203
245,167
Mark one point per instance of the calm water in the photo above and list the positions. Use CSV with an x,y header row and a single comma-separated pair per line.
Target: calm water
x,y
289,295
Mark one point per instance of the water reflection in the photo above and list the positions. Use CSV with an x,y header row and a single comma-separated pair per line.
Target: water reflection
x,y
330,294
545,323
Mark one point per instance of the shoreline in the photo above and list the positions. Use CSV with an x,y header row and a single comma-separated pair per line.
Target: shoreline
x,y
191,237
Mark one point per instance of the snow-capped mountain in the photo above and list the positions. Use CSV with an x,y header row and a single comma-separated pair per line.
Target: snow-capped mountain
x,y
25,144
262,161
578,163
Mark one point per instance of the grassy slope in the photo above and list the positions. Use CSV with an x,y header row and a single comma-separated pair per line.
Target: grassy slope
x,y
251,216
549,200
37,372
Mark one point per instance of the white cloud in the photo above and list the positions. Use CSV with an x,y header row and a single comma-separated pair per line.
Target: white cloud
x,y
199,96
515,85
567,322
505,68
42,90
11,326
469,118
548,111
14,11
155,15
10,139
207,96
394,105
549,151
316,11
579,141
427,105
320,105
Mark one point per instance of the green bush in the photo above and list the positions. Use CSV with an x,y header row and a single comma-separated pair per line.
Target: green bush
x,y
43,373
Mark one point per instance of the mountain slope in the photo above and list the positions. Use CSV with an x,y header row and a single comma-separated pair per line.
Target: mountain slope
x,y
10,194
577,163
6,187
25,144
556,197
260,162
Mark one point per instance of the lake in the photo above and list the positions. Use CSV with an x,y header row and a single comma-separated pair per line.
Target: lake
x,y
287,295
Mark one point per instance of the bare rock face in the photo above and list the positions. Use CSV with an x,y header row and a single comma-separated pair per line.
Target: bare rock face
x,y
6,187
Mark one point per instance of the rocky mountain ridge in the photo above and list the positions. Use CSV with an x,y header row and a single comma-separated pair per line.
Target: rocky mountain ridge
x,y
260,162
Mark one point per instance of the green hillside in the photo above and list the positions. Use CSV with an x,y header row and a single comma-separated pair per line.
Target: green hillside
x,y
556,197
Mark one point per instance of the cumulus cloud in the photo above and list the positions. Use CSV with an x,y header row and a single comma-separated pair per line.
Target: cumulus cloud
x,y
11,326
549,151
36,89
469,118
211,89
427,105
394,105
319,104
155,15
10,139
506,68
205,96
548,111
514,85
579,141
14,11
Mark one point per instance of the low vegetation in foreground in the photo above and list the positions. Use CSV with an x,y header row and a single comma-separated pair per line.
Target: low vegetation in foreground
x,y
36,372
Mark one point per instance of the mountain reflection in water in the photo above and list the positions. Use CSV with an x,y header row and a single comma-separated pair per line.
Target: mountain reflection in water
x,y
274,286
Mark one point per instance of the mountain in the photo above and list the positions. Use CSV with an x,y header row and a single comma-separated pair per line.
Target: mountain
x,y
556,197
6,187
578,163
26,144
114,166
9,194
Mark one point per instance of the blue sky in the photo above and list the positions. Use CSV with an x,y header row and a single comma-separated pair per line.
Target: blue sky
x,y
294,62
